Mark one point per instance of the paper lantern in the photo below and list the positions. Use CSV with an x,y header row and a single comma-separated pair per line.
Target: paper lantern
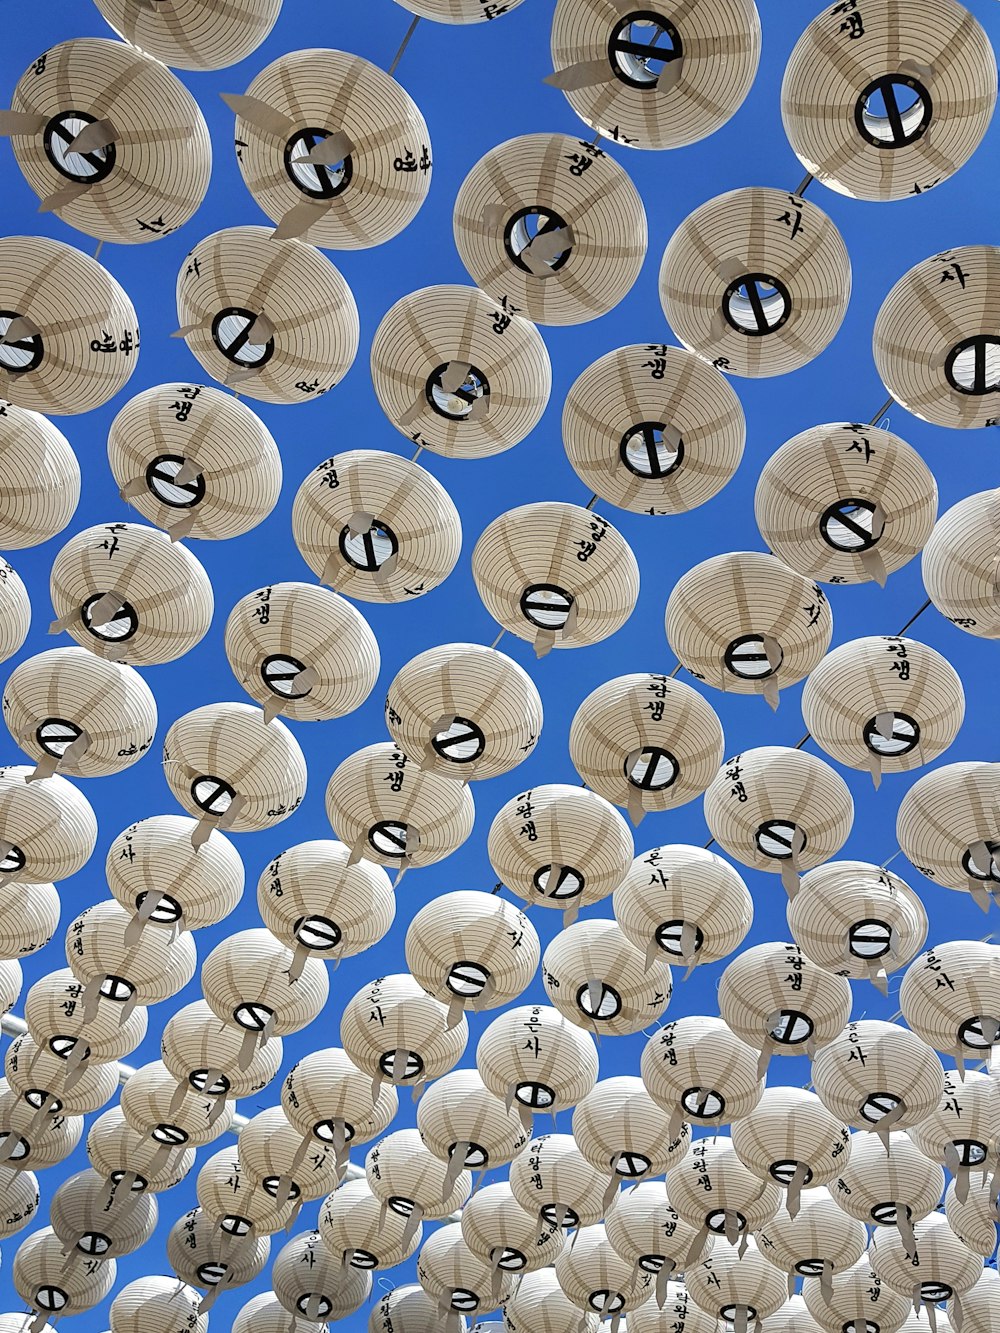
x,y
406,1309
149,1103
231,770
412,1042
264,1313
713,1191
934,339
153,872
77,1029
193,34
45,1282
308,1281
498,1231
69,710
46,1081
539,1305
653,429
39,479
756,281
738,1285
86,1220
302,651
793,1317
127,593
376,527
859,1300
142,172
48,829
457,374
410,1181
620,1129
326,1096
779,1002
598,979
15,611
19,1200
679,1314
688,904
862,92
555,574
456,1279
69,338
579,200
974,1220
947,824
202,1256
963,1131
357,1231
462,1122
533,1056
194,461
884,703
561,846
698,1069
275,1158
779,809
653,81
238,1206
745,622
102,954
459,11
941,1267
332,149
646,742
33,1138
889,1183
553,1181
818,1240
792,1138
644,1230
846,503
319,905
958,565
134,1162
472,951
979,1304
203,1053
950,996
596,1279
464,712
857,919
157,1305
390,811
29,915
273,317
877,1076
11,981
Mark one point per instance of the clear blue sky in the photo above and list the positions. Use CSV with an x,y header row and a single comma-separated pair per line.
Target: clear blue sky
x,y
477,87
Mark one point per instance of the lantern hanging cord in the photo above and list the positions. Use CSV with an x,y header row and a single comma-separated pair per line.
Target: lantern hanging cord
x,y
404,43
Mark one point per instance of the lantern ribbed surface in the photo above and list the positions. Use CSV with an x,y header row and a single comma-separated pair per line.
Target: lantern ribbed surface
x,y
273,318
974,1220
963,1131
560,846
539,1305
376,527
155,856
81,339
48,1285
457,1279
846,503
127,593
934,339
857,919
950,996
457,374
68,709
32,1069
619,81
877,1186
743,621
643,1229
731,1280
793,1317
553,1181
653,429
307,1278
270,1151
116,1149
459,11
860,1298
886,102
408,1178
979,1304
948,822
597,978
792,1138
412,1043
555,574
226,1193
50,827
472,950
779,809
316,902
646,742
34,1146
596,1279
497,1229
463,711
19,1200
872,1070
574,195
226,459
195,1248
818,1236
697,1067
325,1094
100,950
29,916
15,611
157,1305
364,193
388,810
756,281
54,1011
687,901
39,479
678,1315
223,756
84,1222
148,172
945,1266
883,703
459,1115
959,564
196,1044
533,1055
193,34
245,981
734,1199
148,1104
404,1309
777,1001
623,1133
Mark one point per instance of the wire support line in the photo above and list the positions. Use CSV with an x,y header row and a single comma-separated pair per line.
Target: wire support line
x,y
804,184
889,402
404,43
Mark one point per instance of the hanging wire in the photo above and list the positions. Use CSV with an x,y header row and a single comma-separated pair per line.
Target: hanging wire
x,y
404,43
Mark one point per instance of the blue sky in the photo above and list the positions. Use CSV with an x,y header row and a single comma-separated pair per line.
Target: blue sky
x,y
477,87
